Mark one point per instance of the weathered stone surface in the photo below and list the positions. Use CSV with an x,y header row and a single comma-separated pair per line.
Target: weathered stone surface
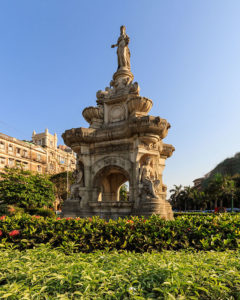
x,y
122,144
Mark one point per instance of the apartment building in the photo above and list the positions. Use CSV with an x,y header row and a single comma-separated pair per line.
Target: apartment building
x,y
40,155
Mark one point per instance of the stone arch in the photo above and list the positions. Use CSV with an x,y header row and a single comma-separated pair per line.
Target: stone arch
x,y
117,161
109,176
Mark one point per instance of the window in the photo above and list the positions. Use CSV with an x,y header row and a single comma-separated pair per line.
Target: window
x,y
18,163
18,151
39,168
25,153
2,145
39,157
11,162
25,166
51,143
2,160
10,148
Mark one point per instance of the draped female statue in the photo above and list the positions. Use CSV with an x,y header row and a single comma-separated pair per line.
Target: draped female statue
x,y
150,181
123,52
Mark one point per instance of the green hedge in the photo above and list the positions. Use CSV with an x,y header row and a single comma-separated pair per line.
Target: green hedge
x,y
218,232
44,273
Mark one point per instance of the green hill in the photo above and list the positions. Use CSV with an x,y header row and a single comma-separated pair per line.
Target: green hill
x,y
230,166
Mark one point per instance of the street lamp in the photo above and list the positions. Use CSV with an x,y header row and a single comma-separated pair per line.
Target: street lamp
x,y
232,203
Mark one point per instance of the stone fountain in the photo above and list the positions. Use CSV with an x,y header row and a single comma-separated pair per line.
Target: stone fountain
x,y
122,144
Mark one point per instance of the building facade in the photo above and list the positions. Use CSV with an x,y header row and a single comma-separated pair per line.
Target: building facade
x,y
41,155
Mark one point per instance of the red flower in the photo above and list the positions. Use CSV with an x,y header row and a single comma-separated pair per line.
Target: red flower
x,y
130,221
2,217
14,233
37,217
11,209
58,218
69,218
90,219
1,232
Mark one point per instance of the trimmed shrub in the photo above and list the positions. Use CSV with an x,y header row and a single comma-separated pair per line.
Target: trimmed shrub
x,y
218,232
44,212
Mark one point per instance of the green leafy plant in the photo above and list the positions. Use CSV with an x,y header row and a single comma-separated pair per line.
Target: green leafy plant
x,y
44,273
201,232
60,181
25,189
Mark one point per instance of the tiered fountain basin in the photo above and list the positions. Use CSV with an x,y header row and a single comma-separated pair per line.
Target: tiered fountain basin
x,y
139,106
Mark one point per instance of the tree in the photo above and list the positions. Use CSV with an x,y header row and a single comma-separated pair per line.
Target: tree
x,y
220,190
25,189
60,181
187,198
123,192
236,179
176,197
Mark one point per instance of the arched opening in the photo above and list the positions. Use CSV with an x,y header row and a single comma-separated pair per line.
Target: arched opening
x,y
124,192
109,181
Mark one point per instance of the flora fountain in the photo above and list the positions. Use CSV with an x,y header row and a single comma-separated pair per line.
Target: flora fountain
x,y
123,143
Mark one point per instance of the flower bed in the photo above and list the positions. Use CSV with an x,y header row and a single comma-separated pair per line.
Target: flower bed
x,y
218,232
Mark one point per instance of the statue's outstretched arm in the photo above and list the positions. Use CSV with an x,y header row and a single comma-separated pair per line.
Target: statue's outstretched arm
x,y
115,45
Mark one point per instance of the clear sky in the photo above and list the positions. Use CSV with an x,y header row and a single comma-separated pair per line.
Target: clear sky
x,y
55,55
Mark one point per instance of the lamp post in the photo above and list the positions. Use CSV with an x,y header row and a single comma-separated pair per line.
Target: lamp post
x,y
67,176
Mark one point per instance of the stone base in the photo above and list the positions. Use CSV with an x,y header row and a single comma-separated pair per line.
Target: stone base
x,y
115,210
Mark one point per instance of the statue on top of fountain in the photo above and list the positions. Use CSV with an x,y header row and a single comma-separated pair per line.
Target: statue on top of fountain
x,y
122,82
123,52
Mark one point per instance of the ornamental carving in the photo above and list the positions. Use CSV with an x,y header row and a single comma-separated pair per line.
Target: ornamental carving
x,y
117,113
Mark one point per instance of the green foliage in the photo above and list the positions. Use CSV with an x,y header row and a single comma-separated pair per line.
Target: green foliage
x,y
60,181
123,192
43,273
218,193
26,190
212,232
187,198
44,212
3,209
220,190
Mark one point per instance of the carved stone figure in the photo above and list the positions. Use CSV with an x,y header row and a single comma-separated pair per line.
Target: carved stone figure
x,y
78,176
123,52
148,178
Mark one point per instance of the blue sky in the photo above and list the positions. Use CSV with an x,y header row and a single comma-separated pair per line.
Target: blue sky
x,y
55,55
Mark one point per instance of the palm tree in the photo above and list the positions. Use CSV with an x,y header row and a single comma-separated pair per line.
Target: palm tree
x,y
175,197
188,197
220,190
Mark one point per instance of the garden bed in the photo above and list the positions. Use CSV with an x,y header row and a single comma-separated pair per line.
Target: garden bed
x,y
44,273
